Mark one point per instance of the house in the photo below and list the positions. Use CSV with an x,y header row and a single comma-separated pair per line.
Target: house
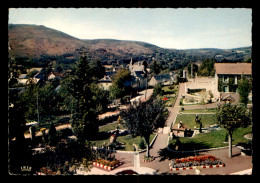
x,y
39,76
136,100
164,79
54,75
105,82
108,67
137,70
226,72
34,69
229,97
24,79
136,66
179,129
110,73
23,76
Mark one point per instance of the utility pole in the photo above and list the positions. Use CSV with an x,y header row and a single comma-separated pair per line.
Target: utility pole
x,y
191,73
38,108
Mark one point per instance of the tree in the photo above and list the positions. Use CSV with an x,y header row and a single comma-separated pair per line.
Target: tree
x,y
220,85
84,118
114,92
119,88
143,119
18,150
231,84
155,68
232,117
121,77
97,69
52,135
244,88
158,90
207,68
100,97
48,99
29,99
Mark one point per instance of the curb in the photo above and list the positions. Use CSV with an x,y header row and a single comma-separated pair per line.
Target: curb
x,y
106,167
202,150
195,167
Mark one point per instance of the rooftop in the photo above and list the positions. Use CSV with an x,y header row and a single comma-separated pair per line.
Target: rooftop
x,y
233,68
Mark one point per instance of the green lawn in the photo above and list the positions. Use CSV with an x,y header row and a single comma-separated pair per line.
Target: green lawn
x,y
127,139
110,126
210,140
171,88
170,92
189,119
213,110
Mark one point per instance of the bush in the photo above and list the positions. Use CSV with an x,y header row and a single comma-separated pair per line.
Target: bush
x,y
171,87
142,144
157,90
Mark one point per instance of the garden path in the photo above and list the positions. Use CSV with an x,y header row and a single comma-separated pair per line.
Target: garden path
x,y
161,164
161,141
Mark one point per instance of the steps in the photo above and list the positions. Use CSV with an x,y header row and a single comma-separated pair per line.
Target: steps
x,y
166,130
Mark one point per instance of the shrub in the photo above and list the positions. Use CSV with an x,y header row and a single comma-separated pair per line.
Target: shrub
x,y
142,144
171,87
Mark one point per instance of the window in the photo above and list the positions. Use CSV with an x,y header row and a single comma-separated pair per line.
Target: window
x,y
225,78
225,88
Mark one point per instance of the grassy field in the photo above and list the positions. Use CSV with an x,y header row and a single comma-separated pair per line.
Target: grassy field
x,y
170,92
128,140
210,140
213,110
189,119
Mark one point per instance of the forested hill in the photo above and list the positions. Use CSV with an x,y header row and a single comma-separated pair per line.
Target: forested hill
x,y
36,41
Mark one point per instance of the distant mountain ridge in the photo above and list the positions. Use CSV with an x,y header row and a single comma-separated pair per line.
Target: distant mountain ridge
x,y
34,41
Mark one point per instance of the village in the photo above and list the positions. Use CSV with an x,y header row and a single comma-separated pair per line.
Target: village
x,y
164,92
192,102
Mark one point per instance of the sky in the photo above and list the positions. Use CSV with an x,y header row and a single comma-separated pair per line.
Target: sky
x,y
180,28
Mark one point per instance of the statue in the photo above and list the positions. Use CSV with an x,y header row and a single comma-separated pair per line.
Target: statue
x,y
112,138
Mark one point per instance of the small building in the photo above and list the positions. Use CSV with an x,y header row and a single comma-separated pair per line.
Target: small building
x,y
140,80
24,79
164,79
229,97
138,72
54,75
23,76
38,69
227,71
136,66
179,129
136,100
105,82
108,67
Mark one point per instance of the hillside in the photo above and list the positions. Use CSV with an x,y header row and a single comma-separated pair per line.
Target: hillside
x,y
35,41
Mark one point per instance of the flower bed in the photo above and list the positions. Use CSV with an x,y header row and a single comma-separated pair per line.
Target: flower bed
x,y
107,165
206,161
148,159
